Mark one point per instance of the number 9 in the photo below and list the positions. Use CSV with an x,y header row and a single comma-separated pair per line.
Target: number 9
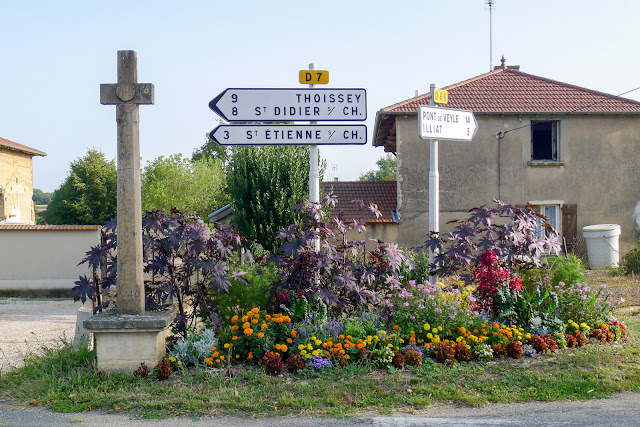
x,y
234,98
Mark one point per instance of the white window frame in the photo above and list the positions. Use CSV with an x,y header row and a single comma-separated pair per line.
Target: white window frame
x,y
543,207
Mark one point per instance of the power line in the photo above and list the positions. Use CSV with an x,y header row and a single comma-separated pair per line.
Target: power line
x,y
501,135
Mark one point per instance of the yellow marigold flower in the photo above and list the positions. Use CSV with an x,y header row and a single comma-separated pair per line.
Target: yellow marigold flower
x,y
303,352
237,356
260,335
309,347
313,338
179,362
430,335
426,326
172,359
390,345
227,345
300,346
316,352
248,332
382,332
584,325
318,342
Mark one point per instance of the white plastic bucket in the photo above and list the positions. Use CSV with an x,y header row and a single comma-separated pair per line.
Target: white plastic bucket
x,y
602,245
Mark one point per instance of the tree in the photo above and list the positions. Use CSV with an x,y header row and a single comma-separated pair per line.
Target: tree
x,y
387,170
212,150
88,194
265,183
193,187
40,197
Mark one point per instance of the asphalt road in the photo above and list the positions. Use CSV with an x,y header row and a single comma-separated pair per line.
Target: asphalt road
x,y
26,326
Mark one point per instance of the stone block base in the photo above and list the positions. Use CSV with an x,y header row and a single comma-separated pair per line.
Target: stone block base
x,y
124,341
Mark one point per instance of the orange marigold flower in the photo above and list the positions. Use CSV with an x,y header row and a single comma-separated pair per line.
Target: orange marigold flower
x,y
293,334
248,332
244,318
284,348
254,321
234,319
340,337
234,328
289,340
267,317
264,326
260,335
233,338
396,327
255,310
246,325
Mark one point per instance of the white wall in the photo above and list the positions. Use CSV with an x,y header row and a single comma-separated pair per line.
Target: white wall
x,y
44,257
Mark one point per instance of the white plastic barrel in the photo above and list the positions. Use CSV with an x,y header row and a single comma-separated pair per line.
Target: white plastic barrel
x,y
602,245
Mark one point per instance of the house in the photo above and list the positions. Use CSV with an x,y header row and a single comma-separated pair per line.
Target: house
x,y
16,182
382,193
570,151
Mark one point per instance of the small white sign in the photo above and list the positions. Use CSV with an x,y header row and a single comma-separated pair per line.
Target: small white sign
x,y
290,134
445,123
282,105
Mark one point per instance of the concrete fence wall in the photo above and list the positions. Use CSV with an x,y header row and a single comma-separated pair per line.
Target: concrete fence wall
x,y
43,257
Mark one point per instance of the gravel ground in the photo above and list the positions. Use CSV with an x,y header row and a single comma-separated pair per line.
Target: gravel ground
x,y
26,326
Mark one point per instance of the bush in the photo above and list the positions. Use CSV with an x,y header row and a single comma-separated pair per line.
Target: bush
x,y
631,261
567,269
195,348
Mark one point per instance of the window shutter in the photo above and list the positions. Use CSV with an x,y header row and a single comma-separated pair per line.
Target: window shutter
x,y
570,227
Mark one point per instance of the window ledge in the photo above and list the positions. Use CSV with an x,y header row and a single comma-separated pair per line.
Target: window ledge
x,y
549,163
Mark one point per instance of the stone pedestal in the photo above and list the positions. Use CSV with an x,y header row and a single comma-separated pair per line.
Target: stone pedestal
x,y
82,337
124,341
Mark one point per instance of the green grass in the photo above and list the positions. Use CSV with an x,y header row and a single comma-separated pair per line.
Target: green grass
x,y
64,381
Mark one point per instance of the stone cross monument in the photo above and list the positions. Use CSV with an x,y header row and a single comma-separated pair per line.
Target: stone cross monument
x,y
127,95
129,336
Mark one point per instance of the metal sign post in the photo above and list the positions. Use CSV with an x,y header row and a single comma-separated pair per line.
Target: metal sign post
x,y
434,188
314,174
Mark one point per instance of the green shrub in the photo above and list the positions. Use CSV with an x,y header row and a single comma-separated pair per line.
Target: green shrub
x,y
631,261
567,269
244,296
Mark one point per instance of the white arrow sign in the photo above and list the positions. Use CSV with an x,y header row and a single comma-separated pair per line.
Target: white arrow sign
x,y
268,105
289,134
445,123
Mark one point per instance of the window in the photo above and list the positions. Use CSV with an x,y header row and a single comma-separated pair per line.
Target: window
x,y
544,141
550,209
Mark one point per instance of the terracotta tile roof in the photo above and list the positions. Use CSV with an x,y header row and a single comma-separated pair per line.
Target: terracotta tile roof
x,y
382,193
512,91
5,143
48,227
508,90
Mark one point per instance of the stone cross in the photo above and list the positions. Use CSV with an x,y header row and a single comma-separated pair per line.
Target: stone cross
x,y
127,95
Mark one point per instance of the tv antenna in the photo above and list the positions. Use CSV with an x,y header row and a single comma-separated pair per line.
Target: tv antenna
x,y
491,5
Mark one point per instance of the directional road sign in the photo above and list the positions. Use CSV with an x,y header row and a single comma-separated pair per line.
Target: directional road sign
x,y
268,105
445,123
289,134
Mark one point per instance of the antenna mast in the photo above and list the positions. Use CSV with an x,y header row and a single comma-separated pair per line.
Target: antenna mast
x,y
491,5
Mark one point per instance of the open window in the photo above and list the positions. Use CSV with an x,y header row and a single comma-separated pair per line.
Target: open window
x,y
544,141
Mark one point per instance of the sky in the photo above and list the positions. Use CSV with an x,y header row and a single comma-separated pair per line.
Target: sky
x,y
55,55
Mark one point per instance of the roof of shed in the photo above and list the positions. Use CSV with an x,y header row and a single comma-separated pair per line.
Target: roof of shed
x,y
382,193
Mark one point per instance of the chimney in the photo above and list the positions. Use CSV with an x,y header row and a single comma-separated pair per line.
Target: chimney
x,y
335,179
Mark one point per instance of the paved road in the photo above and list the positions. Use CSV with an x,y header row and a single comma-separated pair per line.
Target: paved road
x,y
26,326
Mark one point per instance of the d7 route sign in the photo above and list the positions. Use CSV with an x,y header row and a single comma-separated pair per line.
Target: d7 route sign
x,y
446,123
278,105
315,77
289,134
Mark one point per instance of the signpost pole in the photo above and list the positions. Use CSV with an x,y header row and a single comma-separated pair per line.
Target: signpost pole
x,y
434,188
314,175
